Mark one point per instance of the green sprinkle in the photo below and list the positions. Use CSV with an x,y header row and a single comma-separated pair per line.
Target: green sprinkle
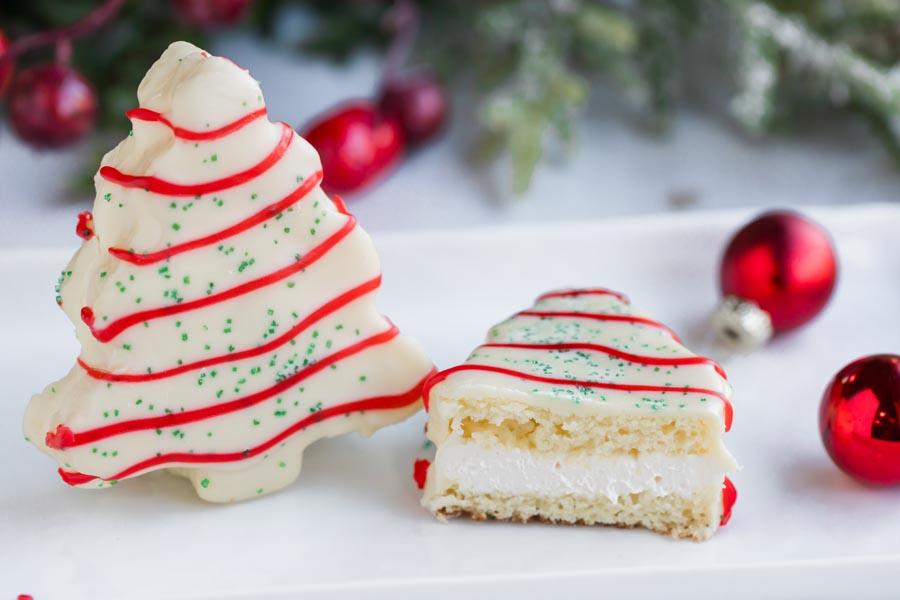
x,y
204,483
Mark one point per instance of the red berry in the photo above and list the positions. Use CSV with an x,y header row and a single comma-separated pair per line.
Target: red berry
x,y
418,102
51,105
355,144
6,69
211,13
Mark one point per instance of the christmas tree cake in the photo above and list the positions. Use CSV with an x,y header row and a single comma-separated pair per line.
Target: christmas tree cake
x,y
582,410
224,304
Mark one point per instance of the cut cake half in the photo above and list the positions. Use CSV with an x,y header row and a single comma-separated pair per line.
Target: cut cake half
x,y
582,410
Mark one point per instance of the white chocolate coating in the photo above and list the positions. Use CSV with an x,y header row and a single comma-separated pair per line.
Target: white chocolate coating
x,y
279,381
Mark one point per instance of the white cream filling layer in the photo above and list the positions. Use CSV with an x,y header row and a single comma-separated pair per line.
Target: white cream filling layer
x,y
472,468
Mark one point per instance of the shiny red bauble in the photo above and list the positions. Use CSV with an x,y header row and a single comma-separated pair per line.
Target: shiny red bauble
x,y
211,13
6,68
418,103
859,419
51,105
356,144
783,262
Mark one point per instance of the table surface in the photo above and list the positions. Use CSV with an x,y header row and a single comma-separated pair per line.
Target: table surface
x,y
614,170
351,526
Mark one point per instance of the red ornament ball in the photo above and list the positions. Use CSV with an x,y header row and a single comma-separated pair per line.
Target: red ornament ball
x,y
859,419
356,145
783,262
418,102
51,106
211,13
6,68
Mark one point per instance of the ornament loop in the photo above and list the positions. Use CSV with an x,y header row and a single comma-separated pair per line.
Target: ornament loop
x,y
741,325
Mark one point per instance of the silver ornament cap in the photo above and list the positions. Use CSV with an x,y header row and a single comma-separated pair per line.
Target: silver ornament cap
x,y
741,325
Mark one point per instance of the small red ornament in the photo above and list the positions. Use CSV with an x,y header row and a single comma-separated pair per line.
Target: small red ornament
x,y
418,102
211,13
859,419
778,272
356,145
50,106
6,68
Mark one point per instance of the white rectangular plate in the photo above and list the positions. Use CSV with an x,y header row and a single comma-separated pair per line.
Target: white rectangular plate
x,y
352,527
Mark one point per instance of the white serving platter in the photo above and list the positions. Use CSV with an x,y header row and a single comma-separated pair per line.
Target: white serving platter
x,y
351,527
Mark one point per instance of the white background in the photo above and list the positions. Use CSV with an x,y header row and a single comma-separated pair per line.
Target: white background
x,y
351,527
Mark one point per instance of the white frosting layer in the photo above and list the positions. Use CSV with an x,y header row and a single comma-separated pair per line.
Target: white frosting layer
x,y
511,471
198,92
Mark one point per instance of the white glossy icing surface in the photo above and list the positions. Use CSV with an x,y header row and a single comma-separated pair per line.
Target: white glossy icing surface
x,y
475,469
575,369
198,92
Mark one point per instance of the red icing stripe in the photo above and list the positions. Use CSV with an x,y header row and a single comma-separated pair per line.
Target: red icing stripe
x,y
729,412
377,403
601,317
420,472
208,412
269,212
729,497
635,358
145,114
59,439
167,188
584,292
85,226
323,311
340,205
119,325
74,477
